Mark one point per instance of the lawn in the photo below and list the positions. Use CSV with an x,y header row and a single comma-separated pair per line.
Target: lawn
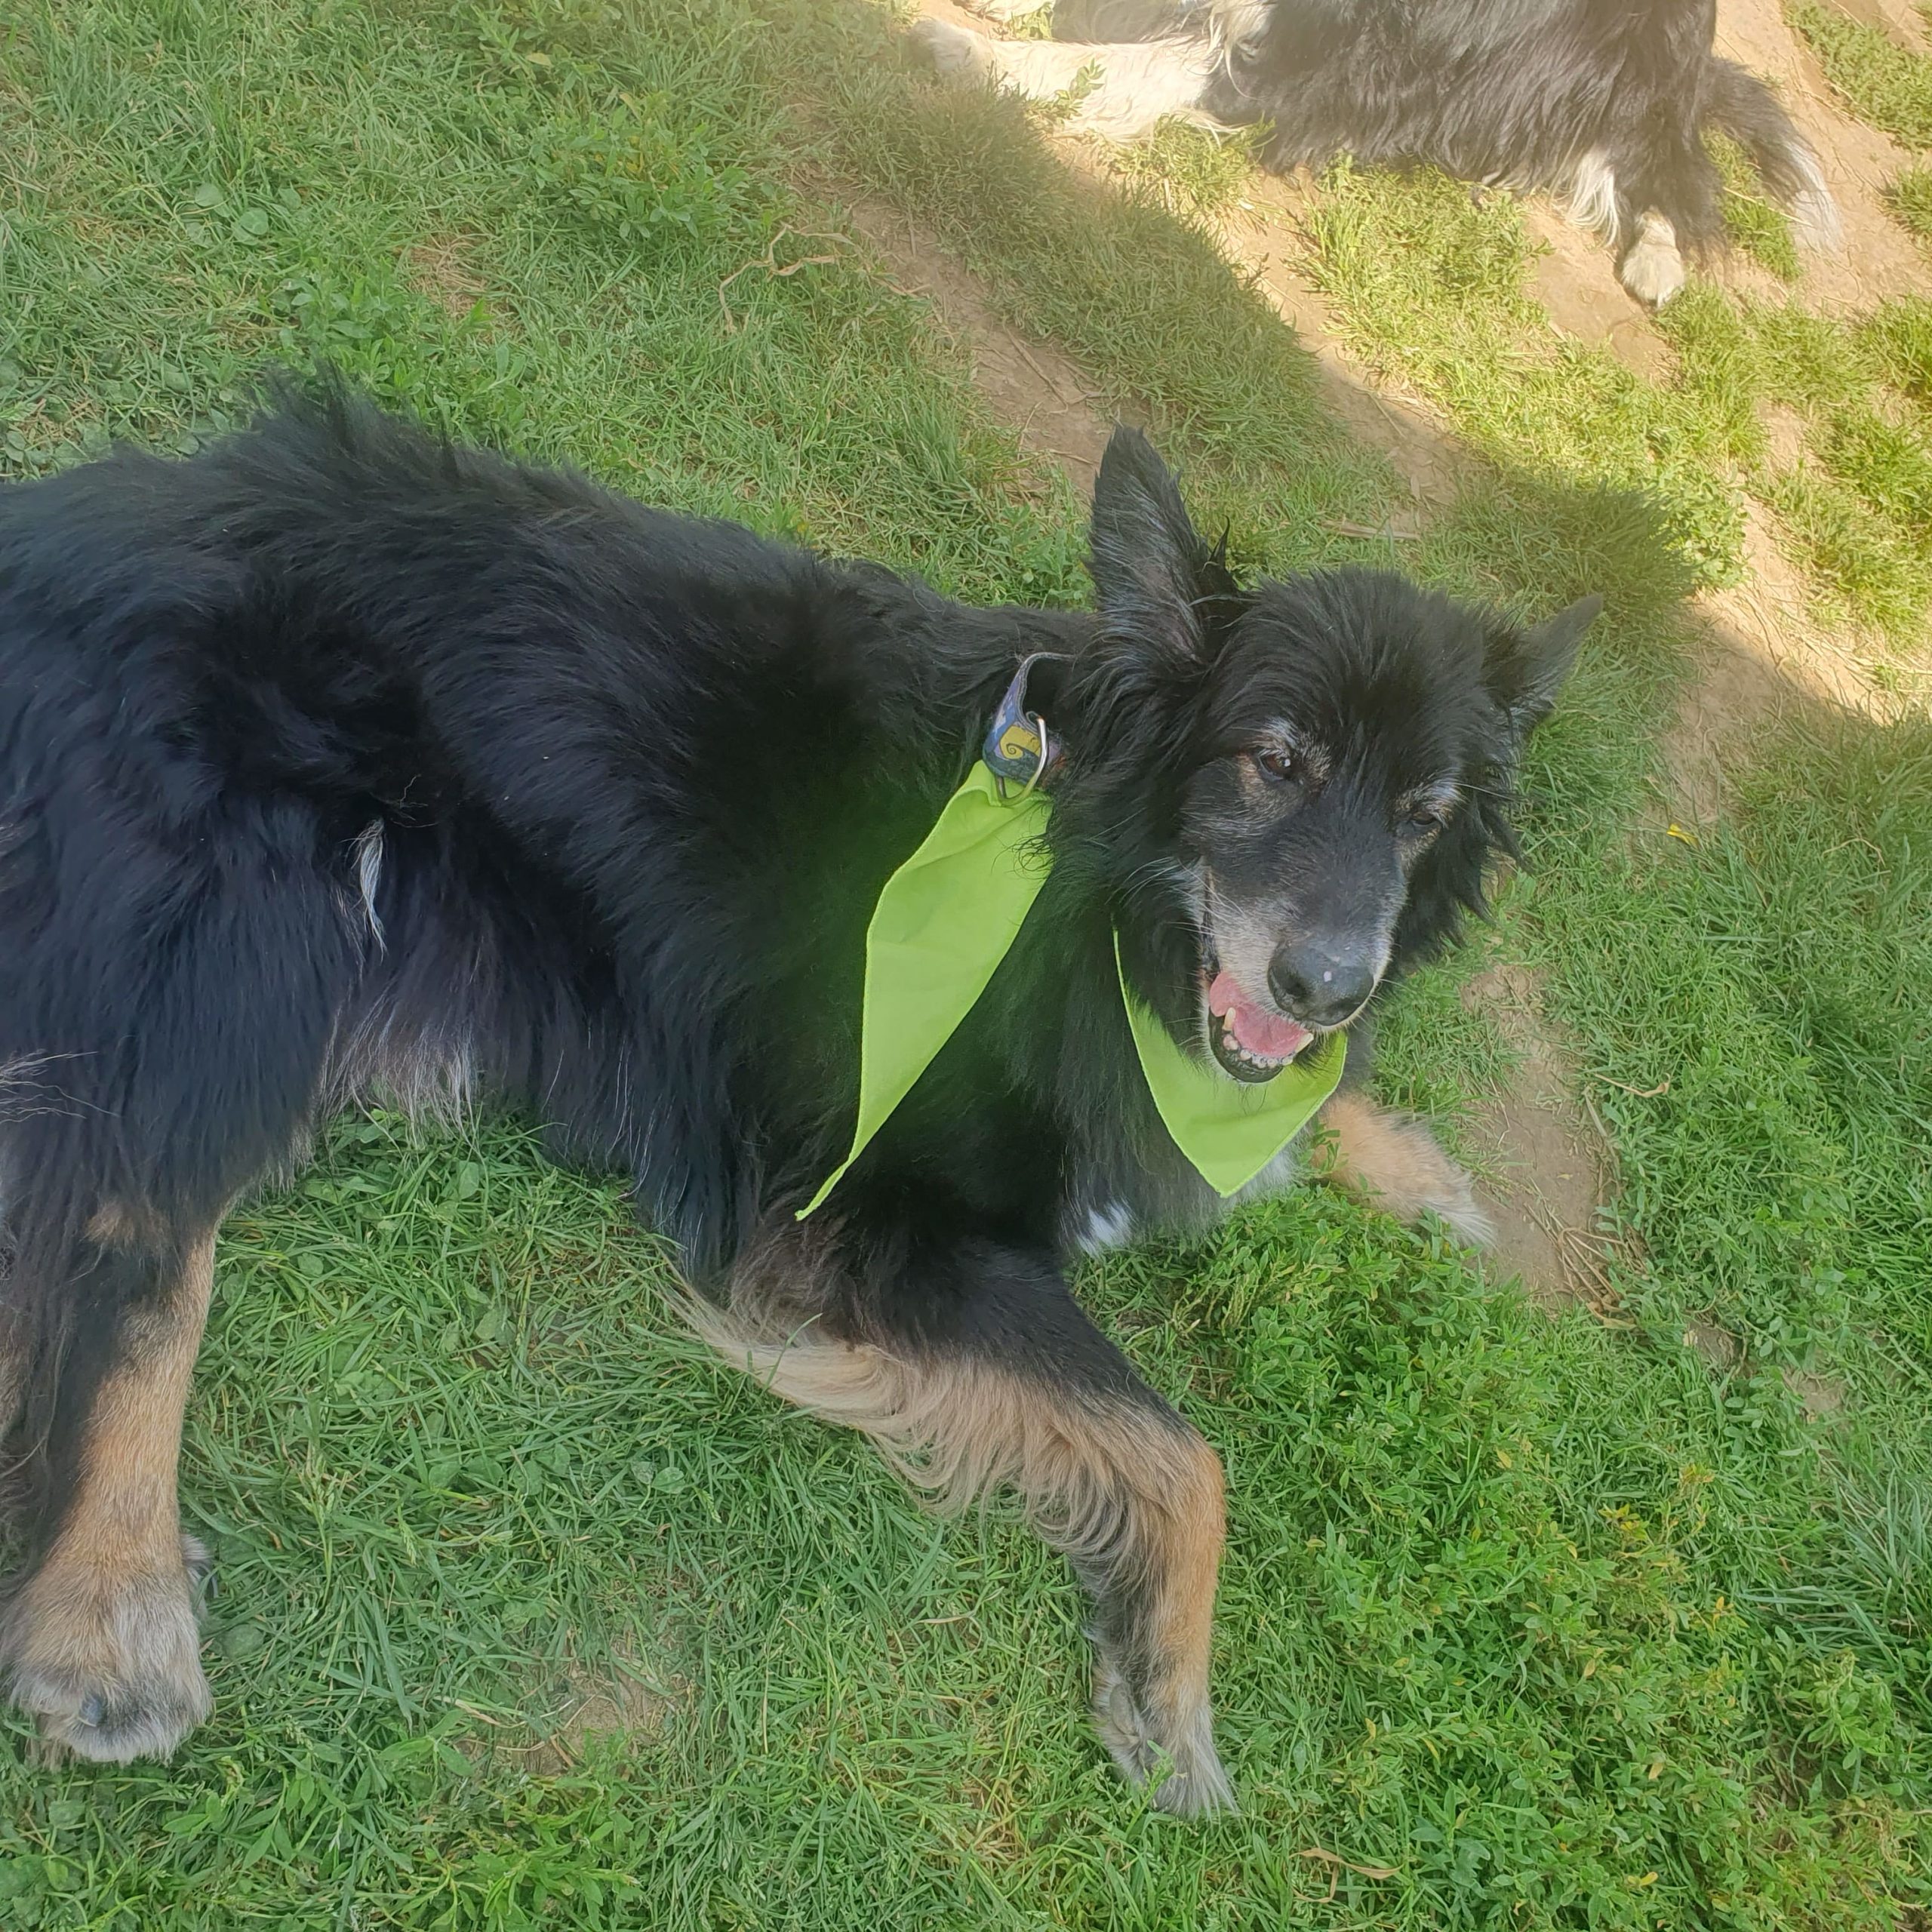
x,y
530,1614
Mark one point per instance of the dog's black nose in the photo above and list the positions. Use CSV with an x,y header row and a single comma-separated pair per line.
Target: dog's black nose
x,y
1320,984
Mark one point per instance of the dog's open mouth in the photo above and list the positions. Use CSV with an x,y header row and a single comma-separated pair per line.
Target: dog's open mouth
x,y
1251,1041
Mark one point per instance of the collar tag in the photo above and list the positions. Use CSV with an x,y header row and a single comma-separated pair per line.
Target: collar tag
x,y
1019,749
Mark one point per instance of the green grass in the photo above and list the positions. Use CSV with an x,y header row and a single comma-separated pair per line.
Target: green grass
x,y
1190,170
1134,293
1912,201
1433,290
1430,288
531,1615
1883,83
1752,221
443,217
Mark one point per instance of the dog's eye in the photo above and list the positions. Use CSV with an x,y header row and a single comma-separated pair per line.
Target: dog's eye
x,y
1278,765
1424,820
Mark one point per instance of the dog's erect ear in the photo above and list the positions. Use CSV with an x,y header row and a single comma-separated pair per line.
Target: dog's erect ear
x,y
1525,669
1156,580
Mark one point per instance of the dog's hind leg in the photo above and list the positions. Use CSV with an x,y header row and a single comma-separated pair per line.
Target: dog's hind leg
x,y
971,1367
1651,268
196,1025
101,1639
1119,91
1391,1161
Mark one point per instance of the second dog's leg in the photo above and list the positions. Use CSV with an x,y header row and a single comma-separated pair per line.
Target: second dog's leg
x,y
973,1368
1134,86
101,1640
1652,269
1392,1161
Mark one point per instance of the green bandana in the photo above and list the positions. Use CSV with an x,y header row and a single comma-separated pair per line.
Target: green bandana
x,y
949,915
1229,1129
945,919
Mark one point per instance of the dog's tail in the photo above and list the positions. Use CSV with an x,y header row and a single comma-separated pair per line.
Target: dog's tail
x,y
1741,105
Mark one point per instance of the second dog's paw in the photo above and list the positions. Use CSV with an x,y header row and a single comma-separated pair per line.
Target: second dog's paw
x,y
1654,270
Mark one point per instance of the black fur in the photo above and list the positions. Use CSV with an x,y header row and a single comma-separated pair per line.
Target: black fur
x,y
335,757
1509,92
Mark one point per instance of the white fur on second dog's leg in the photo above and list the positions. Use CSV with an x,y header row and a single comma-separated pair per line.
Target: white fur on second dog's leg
x,y
1141,86
1138,85
1654,270
1592,199
952,51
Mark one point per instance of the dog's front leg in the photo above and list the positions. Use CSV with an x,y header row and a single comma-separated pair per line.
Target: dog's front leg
x,y
971,1366
1391,1161
100,1639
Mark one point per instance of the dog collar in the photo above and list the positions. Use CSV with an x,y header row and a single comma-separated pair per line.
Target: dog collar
x,y
949,916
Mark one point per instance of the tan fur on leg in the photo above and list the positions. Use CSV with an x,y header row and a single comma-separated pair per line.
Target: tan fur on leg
x,y
1391,1161
1128,1493
102,1640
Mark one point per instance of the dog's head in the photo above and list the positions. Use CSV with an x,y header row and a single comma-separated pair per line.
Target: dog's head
x,y
1290,789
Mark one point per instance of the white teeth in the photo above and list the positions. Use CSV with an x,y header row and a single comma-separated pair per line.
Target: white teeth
x,y
1228,1046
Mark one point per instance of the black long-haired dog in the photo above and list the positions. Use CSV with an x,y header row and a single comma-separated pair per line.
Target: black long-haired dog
x,y
337,760
1605,101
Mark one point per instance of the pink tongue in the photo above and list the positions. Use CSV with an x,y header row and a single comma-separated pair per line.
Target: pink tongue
x,y
1266,1035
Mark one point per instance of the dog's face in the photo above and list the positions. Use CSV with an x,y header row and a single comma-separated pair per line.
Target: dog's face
x,y
1335,756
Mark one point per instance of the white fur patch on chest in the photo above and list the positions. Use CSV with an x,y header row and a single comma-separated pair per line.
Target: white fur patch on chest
x,y
1107,1227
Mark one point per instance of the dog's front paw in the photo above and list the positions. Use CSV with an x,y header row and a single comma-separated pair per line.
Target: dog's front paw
x,y
109,1664
1194,1786
1451,1199
954,53
1653,269
1391,1161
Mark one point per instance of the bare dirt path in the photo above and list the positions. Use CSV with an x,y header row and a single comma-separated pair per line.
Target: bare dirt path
x,y
1030,386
